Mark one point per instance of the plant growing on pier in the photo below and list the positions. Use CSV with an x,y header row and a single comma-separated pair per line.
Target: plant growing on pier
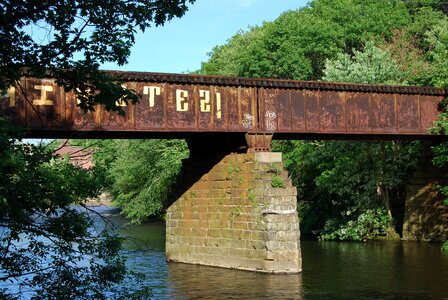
x,y
277,182
234,212
240,179
274,168
253,199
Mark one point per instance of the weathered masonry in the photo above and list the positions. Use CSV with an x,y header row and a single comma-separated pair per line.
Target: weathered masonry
x,y
241,214
425,214
174,104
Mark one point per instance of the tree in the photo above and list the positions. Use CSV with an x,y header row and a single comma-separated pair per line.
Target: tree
x,y
68,40
47,247
46,244
141,183
296,45
350,187
372,65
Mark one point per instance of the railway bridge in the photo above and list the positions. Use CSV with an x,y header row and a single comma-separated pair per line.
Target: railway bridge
x,y
238,209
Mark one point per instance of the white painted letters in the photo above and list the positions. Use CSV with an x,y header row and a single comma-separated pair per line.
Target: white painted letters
x,y
121,102
218,106
43,95
181,96
205,103
152,91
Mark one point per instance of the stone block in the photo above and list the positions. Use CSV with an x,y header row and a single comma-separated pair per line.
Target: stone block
x,y
287,255
287,236
225,243
198,232
254,244
212,242
273,167
239,225
275,218
274,245
170,222
282,226
282,207
215,233
268,157
276,192
281,266
259,235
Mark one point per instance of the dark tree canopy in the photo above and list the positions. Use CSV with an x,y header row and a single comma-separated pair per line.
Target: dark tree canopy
x,y
70,39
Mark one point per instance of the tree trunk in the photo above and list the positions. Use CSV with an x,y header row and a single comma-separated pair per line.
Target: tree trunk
x,y
384,195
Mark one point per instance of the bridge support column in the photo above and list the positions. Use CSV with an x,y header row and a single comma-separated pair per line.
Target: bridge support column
x,y
240,215
425,214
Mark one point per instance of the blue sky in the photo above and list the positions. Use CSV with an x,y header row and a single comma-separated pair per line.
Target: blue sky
x,y
181,45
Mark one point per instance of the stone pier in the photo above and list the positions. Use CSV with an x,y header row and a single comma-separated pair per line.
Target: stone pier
x,y
240,215
425,214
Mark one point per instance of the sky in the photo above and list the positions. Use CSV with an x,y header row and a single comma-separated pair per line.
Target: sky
x,y
182,44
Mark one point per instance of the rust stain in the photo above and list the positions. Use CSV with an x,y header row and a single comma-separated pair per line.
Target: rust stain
x,y
194,103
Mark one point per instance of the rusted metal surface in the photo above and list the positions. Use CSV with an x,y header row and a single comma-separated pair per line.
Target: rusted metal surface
x,y
259,142
173,103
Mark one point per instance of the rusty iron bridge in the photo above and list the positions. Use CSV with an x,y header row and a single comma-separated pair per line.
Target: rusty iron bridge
x,y
225,218
175,105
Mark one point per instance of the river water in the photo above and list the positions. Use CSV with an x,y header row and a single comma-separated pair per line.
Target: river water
x,y
331,270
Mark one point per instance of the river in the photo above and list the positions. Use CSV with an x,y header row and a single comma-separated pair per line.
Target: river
x,y
331,270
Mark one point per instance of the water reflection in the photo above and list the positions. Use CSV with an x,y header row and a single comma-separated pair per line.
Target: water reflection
x,y
331,270
199,282
374,270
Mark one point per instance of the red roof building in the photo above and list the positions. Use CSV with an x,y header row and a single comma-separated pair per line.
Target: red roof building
x,y
78,156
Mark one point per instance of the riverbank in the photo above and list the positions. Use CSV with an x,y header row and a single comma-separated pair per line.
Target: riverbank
x,y
104,199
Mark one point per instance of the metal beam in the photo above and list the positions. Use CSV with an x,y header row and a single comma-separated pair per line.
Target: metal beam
x,y
174,104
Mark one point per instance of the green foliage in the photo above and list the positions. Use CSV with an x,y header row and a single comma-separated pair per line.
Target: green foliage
x,y
47,245
296,45
440,154
339,180
143,173
277,182
235,212
372,65
104,155
445,246
377,42
371,223
437,39
274,168
345,182
441,159
68,40
253,199
138,173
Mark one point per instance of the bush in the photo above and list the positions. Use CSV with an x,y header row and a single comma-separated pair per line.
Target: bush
x,y
372,223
